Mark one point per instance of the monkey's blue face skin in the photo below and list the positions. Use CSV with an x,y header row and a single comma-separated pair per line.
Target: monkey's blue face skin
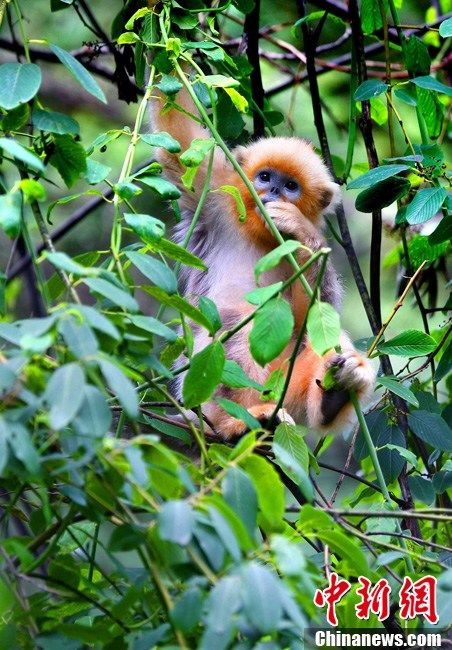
x,y
275,186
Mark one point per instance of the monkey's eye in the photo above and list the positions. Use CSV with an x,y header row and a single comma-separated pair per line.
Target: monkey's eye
x,y
264,177
292,186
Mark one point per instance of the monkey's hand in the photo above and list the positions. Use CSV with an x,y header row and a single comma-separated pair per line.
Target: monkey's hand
x,y
344,371
293,224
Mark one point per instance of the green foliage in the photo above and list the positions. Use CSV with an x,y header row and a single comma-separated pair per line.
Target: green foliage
x,y
126,523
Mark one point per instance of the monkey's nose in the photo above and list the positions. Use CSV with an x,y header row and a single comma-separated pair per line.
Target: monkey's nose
x,y
274,190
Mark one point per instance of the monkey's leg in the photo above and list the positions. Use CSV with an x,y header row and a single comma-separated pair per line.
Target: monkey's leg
x,y
237,349
328,408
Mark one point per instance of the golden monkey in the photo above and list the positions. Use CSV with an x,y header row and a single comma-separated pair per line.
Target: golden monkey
x,y
296,188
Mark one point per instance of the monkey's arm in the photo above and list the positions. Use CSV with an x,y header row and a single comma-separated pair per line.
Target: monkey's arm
x,y
323,407
179,117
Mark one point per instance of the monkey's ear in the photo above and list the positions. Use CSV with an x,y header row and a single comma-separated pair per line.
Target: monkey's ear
x,y
240,154
329,196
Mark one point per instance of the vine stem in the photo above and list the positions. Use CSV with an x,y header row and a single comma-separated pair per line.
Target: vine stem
x,y
378,471
396,307
300,336
116,233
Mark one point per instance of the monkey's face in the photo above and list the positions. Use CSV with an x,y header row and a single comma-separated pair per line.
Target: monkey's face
x,y
273,185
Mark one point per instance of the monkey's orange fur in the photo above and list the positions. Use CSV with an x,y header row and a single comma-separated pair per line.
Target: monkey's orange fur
x,y
230,248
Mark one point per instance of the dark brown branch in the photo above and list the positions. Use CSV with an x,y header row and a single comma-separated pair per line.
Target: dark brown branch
x,y
365,125
252,51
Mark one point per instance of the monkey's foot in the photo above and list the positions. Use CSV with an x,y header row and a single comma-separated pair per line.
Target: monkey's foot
x,y
234,428
350,371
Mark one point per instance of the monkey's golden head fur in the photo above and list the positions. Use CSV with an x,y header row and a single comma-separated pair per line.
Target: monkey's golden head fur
x,y
296,158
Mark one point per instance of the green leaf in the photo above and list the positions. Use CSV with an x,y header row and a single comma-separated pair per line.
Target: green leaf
x,y
239,204
16,118
125,538
19,152
210,311
98,321
197,151
64,394
271,331
384,434
96,172
178,253
411,343
94,416
225,533
405,453
63,261
224,600
235,377
432,429
127,38
274,257
79,72
180,304
262,294
53,122
240,494
78,336
261,597
176,522
405,97
154,326
376,175
239,101
21,445
290,438
442,481
219,81
420,250
269,489
19,83
371,18
161,187
431,109
426,203
163,139
291,454
370,88
421,489
430,83
445,29
204,375
155,270
382,194
442,233
417,57
11,213
169,85
187,610
323,327
148,228
396,387
445,363
69,157
110,291
120,386
32,190
238,411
